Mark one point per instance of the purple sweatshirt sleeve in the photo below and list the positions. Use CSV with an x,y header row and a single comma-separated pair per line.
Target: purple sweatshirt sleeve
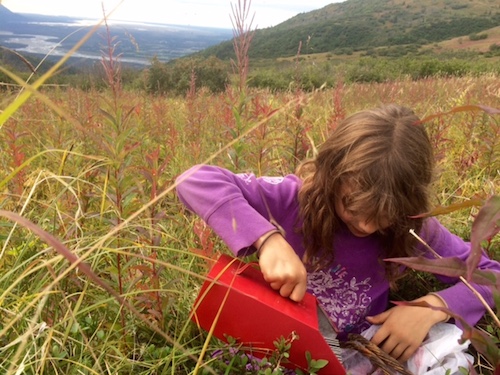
x,y
238,207
459,297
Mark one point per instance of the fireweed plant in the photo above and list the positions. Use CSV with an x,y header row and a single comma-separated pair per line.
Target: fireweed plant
x,y
100,265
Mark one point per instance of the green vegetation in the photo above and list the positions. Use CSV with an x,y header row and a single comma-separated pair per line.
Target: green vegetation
x,y
308,73
354,41
361,25
182,75
478,36
100,264
95,169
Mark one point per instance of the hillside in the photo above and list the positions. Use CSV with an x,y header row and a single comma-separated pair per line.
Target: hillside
x,y
466,44
357,25
8,16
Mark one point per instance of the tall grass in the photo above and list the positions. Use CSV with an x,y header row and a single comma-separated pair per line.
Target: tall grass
x,y
99,262
80,183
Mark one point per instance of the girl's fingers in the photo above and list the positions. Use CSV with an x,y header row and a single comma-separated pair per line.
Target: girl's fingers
x,y
286,290
407,353
397,351
276,285
298,292
295,291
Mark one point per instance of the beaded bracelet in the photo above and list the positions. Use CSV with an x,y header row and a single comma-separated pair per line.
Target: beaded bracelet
x,y
272,233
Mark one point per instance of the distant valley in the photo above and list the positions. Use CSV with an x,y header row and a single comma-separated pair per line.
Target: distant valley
x,y
339,31
135,43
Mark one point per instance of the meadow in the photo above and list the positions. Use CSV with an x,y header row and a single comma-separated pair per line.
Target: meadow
x,y
99,262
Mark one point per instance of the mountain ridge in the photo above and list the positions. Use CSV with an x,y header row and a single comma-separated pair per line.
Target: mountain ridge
x,y
7,16
365,24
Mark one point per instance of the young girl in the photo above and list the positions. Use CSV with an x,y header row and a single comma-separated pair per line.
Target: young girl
x,y
328,228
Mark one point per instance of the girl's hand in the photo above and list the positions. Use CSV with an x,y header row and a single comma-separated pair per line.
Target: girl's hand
x,y
404,328
282,267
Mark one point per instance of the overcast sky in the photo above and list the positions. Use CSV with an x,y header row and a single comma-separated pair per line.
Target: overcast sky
x,y
212,13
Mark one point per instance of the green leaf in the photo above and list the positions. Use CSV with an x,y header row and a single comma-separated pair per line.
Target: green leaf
x,y
308,356
75,327
318,364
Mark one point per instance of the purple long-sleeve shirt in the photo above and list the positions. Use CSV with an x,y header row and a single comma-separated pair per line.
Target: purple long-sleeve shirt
x,y
238,207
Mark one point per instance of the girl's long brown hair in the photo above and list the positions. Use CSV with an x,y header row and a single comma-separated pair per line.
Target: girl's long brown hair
x,y
385,157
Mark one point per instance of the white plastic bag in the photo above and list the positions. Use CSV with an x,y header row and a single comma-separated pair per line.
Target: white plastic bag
x,y
439,353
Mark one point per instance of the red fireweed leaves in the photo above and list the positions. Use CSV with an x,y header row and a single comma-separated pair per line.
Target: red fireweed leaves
x,y
486,225
450,267
465,108
205,242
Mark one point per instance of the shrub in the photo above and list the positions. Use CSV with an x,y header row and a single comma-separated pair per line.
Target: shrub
x,y
176,77
475,36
